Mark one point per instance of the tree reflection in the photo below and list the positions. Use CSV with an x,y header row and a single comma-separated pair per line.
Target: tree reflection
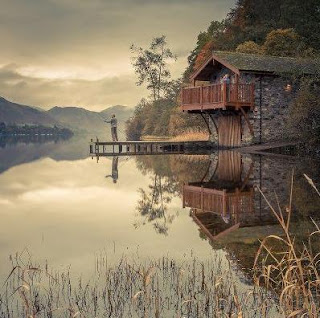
x,y
152,206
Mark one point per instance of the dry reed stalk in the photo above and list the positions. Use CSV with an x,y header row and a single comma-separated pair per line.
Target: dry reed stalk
x,y
292,273
191,136
160,288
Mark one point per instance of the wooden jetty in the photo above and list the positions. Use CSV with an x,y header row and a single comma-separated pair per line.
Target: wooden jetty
x,y
133,148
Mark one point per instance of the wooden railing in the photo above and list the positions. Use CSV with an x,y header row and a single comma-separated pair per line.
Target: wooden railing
x,y
218,96
218,201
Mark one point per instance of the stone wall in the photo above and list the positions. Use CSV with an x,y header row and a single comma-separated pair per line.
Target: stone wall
x,y
271,110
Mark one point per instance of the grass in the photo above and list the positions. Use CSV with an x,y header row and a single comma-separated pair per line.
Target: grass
x,y
187,136
158,288
292,272
154,138
191,136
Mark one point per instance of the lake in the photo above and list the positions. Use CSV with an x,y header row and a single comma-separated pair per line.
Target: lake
x,y
60,206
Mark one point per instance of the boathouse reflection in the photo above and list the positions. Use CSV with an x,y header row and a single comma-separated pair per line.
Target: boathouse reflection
x,y
223,200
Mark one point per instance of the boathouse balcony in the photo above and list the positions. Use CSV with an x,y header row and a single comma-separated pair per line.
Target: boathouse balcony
x,y
217,96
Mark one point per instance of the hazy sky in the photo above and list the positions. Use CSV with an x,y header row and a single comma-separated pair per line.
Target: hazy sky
x,y
76,52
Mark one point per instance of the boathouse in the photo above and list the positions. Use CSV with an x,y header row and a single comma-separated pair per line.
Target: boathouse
x,y
244,98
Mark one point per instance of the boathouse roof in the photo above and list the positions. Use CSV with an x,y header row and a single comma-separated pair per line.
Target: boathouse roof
x,y
254,63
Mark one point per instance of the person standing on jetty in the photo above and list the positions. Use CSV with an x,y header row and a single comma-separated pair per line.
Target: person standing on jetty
x,y
114,122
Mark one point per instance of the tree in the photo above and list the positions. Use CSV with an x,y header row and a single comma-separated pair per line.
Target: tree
x,y
249,47
304,115
135,124
205,52
212,37
284,42
151,66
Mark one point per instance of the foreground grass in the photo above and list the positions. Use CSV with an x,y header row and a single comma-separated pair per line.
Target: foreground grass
x,y
158,288
293,272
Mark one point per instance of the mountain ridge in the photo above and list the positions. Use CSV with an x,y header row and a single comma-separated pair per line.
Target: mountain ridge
x,y
77,119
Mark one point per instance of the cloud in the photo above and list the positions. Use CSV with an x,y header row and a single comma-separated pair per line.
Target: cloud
x,y
92,94
65,40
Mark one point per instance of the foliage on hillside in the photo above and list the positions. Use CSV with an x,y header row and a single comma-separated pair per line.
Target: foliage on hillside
x,y
304,116
161,118
281,28
253,20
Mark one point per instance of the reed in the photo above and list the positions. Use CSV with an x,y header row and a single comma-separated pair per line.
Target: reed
x,y
191,136
292,272
156,288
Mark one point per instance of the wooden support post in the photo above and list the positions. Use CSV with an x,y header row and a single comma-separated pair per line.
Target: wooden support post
x,y
207,122
247,121
215,124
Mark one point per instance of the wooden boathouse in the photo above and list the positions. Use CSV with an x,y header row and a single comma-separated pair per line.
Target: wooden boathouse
x,y
244,97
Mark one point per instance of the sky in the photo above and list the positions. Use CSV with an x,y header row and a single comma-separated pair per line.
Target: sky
x,y
76,52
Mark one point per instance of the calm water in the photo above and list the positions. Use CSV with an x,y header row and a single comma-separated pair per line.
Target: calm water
x,y
58,204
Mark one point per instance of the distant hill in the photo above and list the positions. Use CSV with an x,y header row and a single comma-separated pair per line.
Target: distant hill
x,y
83,120
123,113
11,113
75,118
78,119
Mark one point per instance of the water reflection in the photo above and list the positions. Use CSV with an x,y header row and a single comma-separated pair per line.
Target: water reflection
x,y
221,192
19,150
54,193
153,204
225,201
114,172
